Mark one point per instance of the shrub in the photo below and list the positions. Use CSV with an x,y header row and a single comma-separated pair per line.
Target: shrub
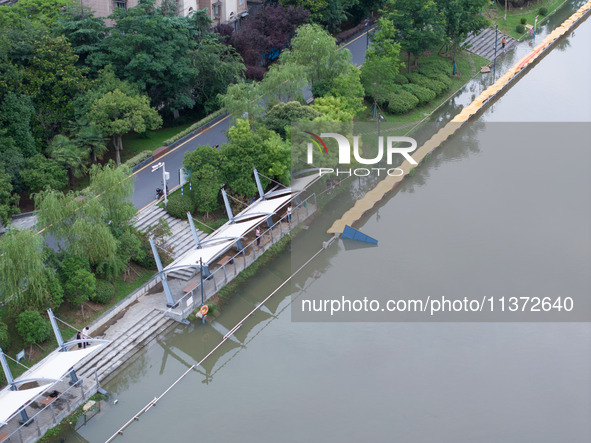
x,y
400,79
401,101
435,85
423,94
543,11
523,20
4,336
104,292
138,158
193,127
178,205
435,67
520,29
32,327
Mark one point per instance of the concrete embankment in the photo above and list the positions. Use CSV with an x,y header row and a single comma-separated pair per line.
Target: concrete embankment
x,y
481,102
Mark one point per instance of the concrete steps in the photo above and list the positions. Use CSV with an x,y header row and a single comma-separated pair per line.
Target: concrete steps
x,y
126,346
483,43
179,242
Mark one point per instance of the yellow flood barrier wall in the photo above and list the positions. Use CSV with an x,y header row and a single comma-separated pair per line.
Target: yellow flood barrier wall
x,y
376,194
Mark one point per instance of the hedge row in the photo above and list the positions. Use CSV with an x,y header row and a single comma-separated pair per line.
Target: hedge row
x,y
431,79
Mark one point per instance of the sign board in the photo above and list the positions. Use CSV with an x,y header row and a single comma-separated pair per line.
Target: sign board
x,y
20,355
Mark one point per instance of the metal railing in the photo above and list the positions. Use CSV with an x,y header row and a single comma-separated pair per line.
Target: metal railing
x,y
51,417
243,259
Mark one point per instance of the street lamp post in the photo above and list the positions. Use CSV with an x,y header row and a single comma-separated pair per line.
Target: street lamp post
x,y
495,61
535,26
380,117
366,33
505,10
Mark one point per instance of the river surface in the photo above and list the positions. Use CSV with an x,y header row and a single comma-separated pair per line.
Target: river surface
x,y
469,220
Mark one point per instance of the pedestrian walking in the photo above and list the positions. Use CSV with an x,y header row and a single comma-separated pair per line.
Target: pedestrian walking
x,y
503,43
257,233
86,335
289,213
79,337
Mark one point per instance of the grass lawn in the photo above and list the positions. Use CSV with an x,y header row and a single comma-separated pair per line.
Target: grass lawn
x,y
467,65
151,140
497,16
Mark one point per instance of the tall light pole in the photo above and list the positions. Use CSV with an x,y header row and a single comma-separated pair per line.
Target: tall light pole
x,y
165,176
495,62
380,117
535,26
366,33
505,10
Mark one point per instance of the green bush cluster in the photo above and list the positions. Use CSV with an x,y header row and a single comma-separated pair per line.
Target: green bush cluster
x,y
543,11
401,101
179,204
401,79
105,291
523,20
4,336
32,327
421,80
435,67
424,95
520,29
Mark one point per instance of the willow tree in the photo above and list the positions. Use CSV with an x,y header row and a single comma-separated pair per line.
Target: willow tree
x,y
113,185
23,275
78,223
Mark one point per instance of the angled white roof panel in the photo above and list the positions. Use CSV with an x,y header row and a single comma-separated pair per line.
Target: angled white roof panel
x,y
236,230
266,207
12,401
57,364
206,254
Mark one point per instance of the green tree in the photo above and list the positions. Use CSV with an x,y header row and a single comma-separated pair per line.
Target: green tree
x,y
243,100
32,327
333,109
53,81
461,18
23,277
283,115
84,31
7,198
16,113
41,172
348,86
79,224
152,47
378,77
283,83
89,138
117,113
216,66
71,157
80,286
263,149
317,51
419,24
43,12
113,187
206,183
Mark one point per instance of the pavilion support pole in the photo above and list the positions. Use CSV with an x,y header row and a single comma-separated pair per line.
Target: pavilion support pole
x,y
170,303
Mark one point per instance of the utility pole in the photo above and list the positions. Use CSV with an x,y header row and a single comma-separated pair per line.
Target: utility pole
x,y
495,62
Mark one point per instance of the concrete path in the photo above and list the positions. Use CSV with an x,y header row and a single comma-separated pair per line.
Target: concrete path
x,y
483,43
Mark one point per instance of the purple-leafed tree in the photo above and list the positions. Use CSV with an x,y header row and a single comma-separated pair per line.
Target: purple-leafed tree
x,y
263,35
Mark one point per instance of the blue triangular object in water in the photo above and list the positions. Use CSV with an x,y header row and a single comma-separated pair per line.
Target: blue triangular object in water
x,y
354,234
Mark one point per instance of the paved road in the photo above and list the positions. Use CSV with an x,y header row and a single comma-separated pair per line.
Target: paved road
x,y
147,181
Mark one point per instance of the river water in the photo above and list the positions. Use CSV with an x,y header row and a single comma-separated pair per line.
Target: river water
x,y
468,221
